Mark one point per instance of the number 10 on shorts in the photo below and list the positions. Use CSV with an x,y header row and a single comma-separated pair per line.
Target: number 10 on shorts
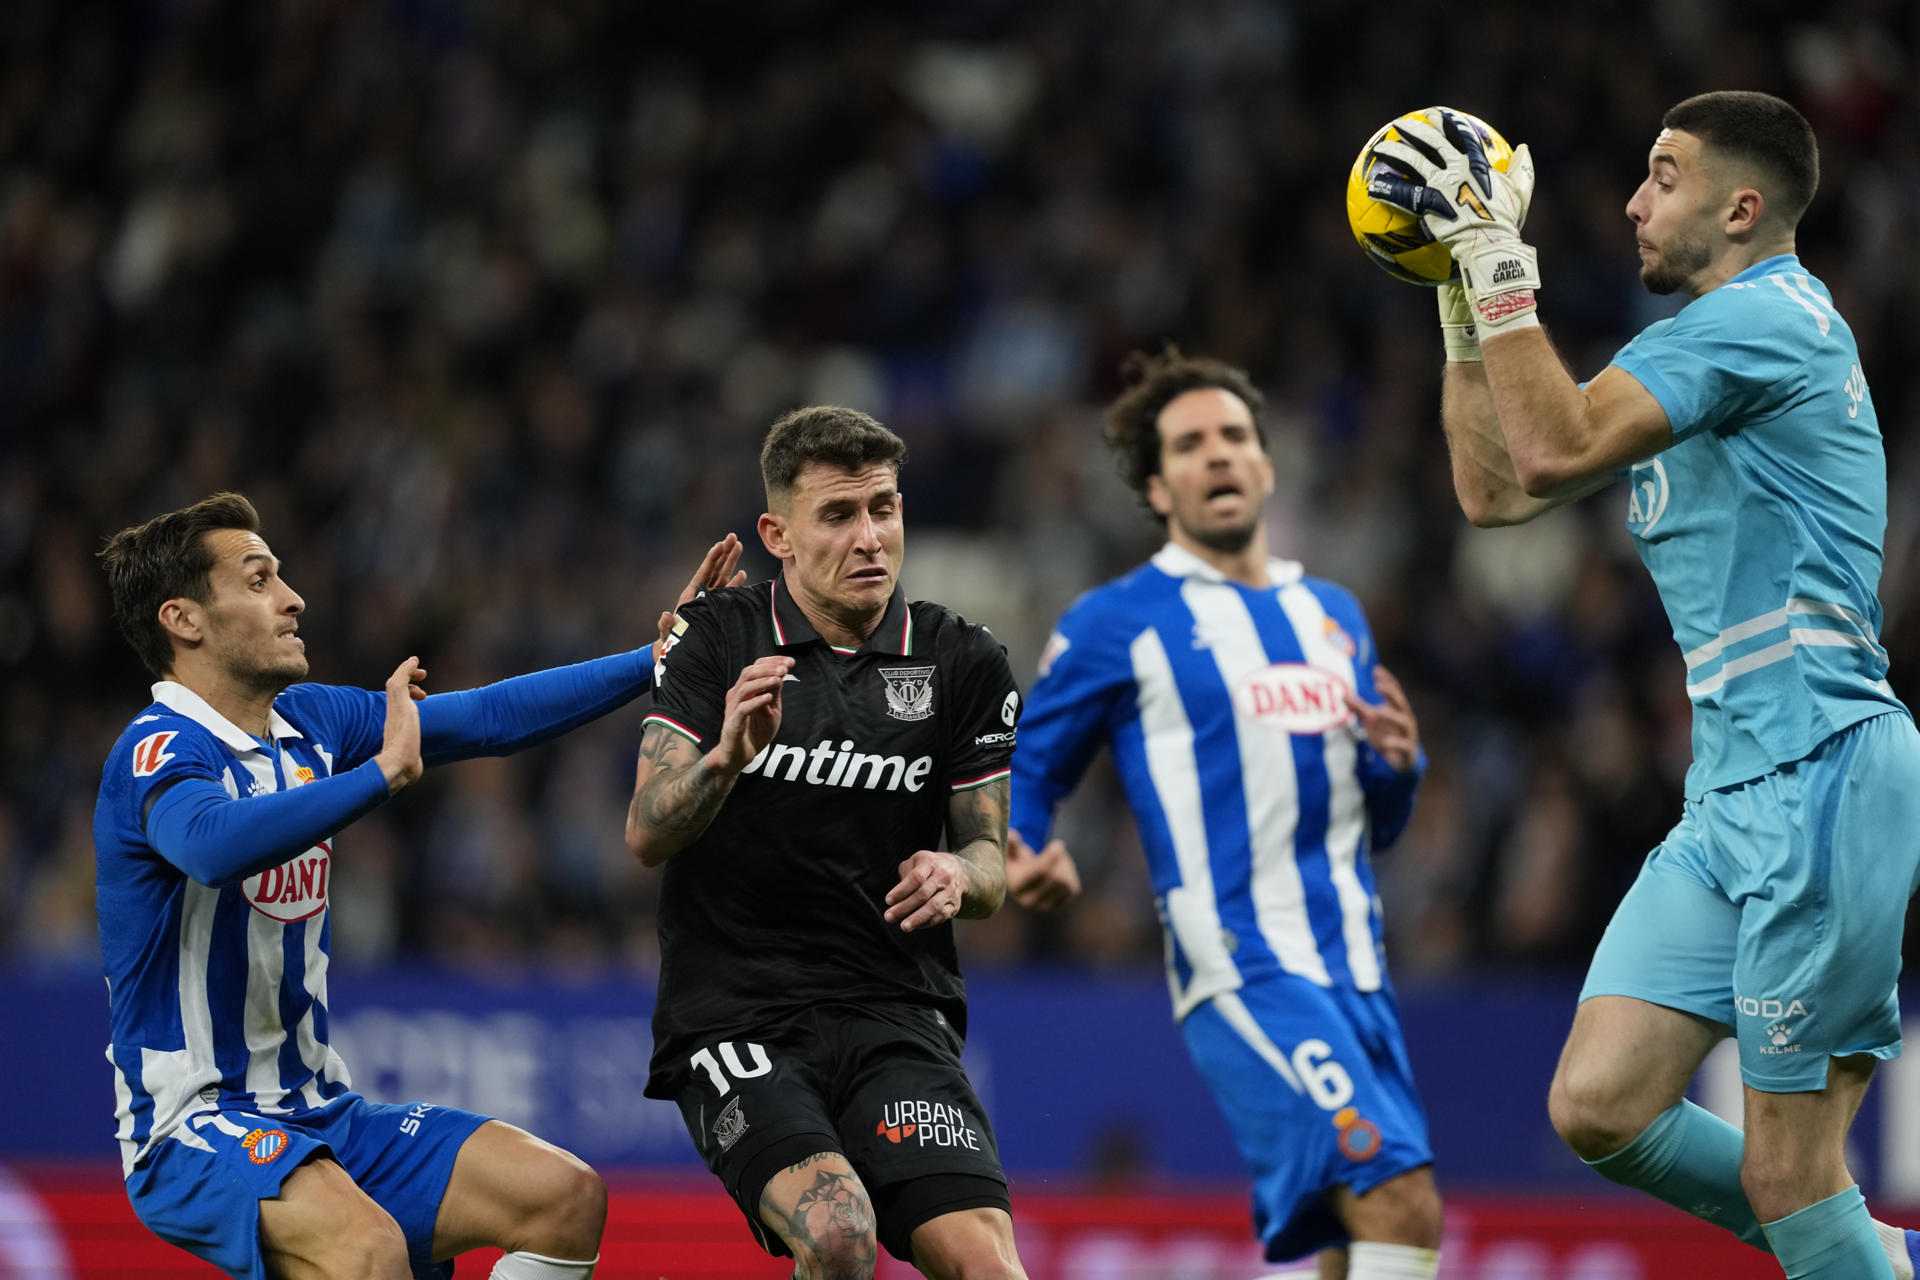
x,y
756,1055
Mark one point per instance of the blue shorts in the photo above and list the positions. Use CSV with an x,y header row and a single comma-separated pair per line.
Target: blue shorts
x,y
201,1188
1317,1089
1777,907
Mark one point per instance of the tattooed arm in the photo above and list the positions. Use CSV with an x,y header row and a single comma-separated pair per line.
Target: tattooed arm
x,y
969,881
677,789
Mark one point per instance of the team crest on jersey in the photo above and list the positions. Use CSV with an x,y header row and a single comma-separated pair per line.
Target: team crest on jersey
x,y
909,692
151,752
1647,494
1359,1138
294,890
1293,697
729,1125
264,1146
302,776
1337,637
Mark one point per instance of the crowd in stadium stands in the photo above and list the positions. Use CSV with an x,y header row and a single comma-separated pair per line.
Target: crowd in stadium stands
x,y
486,306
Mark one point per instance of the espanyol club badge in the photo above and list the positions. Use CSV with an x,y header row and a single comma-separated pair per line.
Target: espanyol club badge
x,y
909,692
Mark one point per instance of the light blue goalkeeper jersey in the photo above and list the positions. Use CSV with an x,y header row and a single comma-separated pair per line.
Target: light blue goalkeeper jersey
x,y
1763,523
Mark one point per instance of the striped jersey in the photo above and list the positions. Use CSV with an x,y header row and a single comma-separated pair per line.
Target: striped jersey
x,y
1258,802
218,996
1763,522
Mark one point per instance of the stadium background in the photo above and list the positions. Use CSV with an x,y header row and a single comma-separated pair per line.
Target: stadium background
x,y
486,304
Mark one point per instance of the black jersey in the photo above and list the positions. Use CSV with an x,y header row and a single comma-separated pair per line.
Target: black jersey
x,y
778,905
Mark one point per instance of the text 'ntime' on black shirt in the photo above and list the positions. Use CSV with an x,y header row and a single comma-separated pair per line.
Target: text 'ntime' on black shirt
x,y
777,906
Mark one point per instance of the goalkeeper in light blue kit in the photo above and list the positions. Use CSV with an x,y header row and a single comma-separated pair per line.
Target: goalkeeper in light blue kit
x,y
1758,499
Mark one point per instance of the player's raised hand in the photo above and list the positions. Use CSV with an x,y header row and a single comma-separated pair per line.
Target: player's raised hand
x,y
1044,881
930,889
1473,209
752,714
719,568
1458,192
399,757
1390,728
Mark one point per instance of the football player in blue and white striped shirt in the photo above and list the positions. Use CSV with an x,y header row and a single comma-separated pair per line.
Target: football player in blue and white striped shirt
x,y
240,1135
1265,756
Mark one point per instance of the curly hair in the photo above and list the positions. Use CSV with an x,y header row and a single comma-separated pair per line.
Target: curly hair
x,y
1153,382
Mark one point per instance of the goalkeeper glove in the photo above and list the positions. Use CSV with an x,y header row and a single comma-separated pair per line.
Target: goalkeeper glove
x,y
1473,209
1456,323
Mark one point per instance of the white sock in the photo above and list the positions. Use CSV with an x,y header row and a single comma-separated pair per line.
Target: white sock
x,y
532,1266
1894,1241
1367,1260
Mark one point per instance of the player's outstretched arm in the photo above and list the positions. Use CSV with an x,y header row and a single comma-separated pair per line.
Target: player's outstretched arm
x,y
969,881
677,789
219,840
511,715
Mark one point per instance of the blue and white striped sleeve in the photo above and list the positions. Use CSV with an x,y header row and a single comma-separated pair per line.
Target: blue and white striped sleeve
x,y
1389,791
1084,675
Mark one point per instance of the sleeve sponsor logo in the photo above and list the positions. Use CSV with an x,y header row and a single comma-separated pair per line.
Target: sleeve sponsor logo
x,y
1010,709
1293,697
151,752
1057,644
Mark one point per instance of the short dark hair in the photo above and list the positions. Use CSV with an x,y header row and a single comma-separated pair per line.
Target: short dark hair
x,y
164,559
1153,382
827,434
1761,130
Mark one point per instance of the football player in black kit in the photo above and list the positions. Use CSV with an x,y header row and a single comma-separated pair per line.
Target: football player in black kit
x,y
811,737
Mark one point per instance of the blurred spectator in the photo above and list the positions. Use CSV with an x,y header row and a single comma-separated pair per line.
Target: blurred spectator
x,y
486,305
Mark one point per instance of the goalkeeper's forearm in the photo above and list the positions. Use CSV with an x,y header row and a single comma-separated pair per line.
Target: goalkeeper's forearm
x,y
1483,474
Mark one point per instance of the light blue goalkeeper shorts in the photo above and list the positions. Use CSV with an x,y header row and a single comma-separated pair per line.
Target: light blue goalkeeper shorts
x,y
1776,907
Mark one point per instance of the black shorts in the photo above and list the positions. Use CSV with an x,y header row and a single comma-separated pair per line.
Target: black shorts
x,y
883,1087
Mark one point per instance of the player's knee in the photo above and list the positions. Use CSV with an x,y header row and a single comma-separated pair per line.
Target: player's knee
x,y
849,1254
372,1246
1590,1114
1402,1210
574,1212
968,1245
986,1262
1416,1210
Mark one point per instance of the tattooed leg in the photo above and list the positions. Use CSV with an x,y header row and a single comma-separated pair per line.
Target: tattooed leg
x,y
822,1212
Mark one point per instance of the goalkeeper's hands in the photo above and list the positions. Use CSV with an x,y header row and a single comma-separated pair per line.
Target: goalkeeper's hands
x,y
1456,323
1473,209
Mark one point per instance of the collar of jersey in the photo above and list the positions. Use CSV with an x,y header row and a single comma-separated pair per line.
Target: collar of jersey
x,y
893,635
181,700
1178,562
1767,266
